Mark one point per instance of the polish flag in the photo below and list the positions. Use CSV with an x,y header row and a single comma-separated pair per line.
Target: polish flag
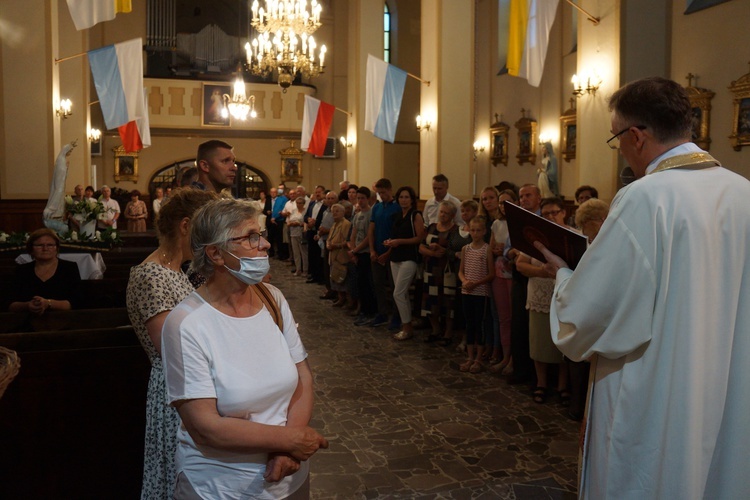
x,y
316,123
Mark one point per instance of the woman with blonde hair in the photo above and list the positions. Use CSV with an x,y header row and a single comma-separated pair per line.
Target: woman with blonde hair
x,y
155,287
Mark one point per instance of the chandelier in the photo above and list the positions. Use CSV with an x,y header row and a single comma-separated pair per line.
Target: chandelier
x,y
285,41
238,105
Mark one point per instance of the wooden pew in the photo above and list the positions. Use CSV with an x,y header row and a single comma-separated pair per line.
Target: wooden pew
x,y
72,422
63,320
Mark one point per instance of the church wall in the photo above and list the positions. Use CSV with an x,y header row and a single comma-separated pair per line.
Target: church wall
x,y
712,44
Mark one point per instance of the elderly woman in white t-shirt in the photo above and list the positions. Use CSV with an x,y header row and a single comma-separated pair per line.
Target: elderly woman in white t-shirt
x,y
242,386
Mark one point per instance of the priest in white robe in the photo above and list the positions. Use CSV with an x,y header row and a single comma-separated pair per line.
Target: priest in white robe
x,y
661,302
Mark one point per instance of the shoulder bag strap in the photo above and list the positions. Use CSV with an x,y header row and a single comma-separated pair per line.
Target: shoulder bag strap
x,y
265,295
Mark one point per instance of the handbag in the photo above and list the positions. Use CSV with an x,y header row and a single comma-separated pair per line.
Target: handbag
x,y
450,280
338,272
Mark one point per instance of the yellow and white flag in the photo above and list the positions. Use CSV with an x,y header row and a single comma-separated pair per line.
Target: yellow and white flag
x,y
528,37
87,13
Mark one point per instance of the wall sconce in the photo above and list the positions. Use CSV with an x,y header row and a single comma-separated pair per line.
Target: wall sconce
x,y
94,135
423,123
543,137
346,142
65,109
593,81
479,147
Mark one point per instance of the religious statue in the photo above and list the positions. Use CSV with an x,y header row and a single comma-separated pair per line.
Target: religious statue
x,y
548,184
54,212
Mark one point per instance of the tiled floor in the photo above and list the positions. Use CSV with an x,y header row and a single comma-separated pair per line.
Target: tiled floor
x,y
404,422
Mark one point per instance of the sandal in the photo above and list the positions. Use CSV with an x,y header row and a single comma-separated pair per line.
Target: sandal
x,y
464,367
476,367
565,397
540,395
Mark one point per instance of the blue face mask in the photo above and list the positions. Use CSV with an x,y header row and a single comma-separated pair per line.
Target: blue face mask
x,y
252,269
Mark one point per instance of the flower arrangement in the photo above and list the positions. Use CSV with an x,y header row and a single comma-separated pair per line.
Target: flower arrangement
x,y
100,240
12,241
88,209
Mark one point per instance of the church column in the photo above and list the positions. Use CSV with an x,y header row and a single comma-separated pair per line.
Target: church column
x,y
448,63
365,159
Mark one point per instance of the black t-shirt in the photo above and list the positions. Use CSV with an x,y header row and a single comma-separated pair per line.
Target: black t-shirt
x,y
403,227
63,285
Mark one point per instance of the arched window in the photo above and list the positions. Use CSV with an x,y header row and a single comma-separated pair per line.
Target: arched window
x,y
248,183
386,33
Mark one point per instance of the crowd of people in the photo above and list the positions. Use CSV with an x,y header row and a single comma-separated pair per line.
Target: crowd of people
x,y
231,393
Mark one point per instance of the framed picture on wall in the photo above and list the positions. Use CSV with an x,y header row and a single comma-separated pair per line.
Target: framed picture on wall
x,y
291,164
569,131
741,119
213,113
96,148
126,165
499,141
700,103
527,138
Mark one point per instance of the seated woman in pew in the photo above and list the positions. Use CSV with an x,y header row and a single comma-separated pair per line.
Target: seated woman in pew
x,y
155,287
47,282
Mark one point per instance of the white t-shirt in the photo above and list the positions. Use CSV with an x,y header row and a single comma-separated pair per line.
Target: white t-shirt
x,y
249,367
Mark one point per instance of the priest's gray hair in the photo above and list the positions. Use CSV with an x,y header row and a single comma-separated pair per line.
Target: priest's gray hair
x,y
214,224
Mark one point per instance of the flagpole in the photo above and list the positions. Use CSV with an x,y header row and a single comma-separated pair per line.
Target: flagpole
x,y
591,18
427,82
345,112
69,57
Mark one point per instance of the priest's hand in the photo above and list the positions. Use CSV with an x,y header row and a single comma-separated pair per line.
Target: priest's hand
x,y
554,263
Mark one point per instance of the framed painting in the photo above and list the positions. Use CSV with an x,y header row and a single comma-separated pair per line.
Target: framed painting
x,y
126,165
741,117
291,164
527,139
700,103
499,133
569,132
213,113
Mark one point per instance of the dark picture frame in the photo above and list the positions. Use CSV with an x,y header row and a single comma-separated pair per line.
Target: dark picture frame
x,y
213,104
527,139
126,165
741,117
499,135
291,164
569,132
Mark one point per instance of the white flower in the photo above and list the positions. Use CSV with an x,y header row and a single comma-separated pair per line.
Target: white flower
x,y
102,216
92,203
98,236
68,200
74,236
3,238
113,235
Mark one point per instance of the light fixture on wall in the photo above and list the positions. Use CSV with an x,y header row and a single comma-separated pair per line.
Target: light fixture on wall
x,y
346,142
94,135
64,109
423,123
292,47
479,147
544,137
592,81
238,105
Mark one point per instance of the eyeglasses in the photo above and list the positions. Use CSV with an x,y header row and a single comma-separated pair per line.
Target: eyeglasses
x,y
249,241
616,137
551,213
44,245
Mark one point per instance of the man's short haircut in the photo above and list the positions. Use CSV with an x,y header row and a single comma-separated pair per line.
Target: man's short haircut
x,y
538,191
364,191
321,186
440,178
591,189
384,184
659,104
207,148
300,186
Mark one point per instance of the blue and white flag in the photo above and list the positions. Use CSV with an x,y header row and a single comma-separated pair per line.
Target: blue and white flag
x,y
384,91
118,77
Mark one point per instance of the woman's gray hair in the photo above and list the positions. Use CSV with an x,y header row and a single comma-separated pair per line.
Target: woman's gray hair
x,y
339,205
450,206
214,224
593,209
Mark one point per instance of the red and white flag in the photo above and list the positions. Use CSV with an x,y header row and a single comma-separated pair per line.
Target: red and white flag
x,y
316,123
